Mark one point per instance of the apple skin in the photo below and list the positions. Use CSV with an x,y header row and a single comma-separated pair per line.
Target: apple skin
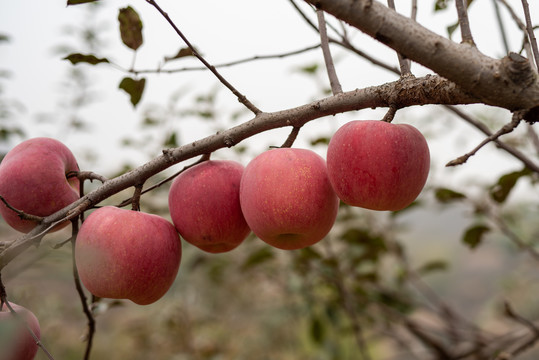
x,y
204,205
16,342
287,199
126,254
378,165
33,180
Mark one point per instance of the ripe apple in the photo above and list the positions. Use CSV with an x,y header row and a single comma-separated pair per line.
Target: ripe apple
x,y
126,254
16,342
33,179
287,199
378,165
204,205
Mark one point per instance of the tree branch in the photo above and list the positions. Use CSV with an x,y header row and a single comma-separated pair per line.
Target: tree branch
x,y
510,83
402,93
328,59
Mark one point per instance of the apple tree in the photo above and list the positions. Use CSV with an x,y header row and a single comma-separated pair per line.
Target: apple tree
x,y
304,243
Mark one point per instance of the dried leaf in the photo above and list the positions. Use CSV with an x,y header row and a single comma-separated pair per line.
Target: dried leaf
x,y
445,195
183,52
82,58
130,27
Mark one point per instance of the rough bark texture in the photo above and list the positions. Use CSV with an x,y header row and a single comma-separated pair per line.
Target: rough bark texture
x,y
510,83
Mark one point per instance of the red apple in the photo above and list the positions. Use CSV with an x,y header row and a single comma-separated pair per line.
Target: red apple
x,y
287,199
33,179
125,254
205,207
378,165
16,342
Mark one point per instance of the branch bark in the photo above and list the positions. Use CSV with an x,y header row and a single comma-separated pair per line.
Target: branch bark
x,y
509,83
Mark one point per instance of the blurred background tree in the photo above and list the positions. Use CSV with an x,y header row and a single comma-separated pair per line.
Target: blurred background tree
x,y
454,276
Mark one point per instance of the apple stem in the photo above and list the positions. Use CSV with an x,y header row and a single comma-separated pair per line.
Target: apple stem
x,y
135,200
292,137
388,117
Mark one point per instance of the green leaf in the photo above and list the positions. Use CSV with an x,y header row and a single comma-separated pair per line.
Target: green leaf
x,y
78,2
433,265
474,235
258,257
171,141
317,330
445,195
82,58
440,5
130,27
309,69
134,88
501,190
321,140
4,38
451,29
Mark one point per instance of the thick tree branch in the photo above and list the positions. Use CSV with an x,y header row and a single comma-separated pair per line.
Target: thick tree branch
x,y
510,83
402,93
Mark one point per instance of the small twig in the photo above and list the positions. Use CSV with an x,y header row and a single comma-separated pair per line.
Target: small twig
x,y
531,35
405,64
348,303
203,158
242,98
501,25
507,128
87,175
82,296
328,59
4,301
485,130
228,64
506,230
534,138
21,214
464,23
291,138
527,323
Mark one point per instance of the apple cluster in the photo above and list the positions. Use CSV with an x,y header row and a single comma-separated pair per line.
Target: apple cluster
x,y
288,197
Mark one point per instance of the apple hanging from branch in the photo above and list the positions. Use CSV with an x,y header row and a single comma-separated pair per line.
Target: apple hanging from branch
x,y
378,165
126,254
34,179
16,341
204,204
287,199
